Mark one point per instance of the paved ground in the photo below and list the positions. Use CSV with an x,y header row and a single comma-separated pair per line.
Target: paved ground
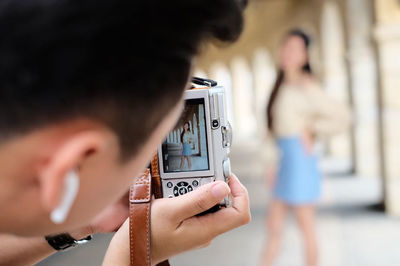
x,y
197,163
351,232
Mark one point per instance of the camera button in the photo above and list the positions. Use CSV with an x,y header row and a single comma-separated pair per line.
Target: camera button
x,y
183,184
170,196
226,166
176,192
226,135
215,124
182,191
190,188
195,183
169,185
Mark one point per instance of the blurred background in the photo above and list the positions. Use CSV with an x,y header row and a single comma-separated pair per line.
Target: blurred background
x,y
356,56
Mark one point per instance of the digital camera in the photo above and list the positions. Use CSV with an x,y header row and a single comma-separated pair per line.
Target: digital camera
x,y
196,151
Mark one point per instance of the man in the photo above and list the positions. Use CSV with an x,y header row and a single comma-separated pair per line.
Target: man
x,y
88,90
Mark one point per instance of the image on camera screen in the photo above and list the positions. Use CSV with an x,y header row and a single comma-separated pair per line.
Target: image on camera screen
x,y
185,148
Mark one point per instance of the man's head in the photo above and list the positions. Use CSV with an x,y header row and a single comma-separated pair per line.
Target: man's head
x,y
91,85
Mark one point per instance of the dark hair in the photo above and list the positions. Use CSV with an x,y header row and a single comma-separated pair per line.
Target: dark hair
x,y
183,131
122,63
281,76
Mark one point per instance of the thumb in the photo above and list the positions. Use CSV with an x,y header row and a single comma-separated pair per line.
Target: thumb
x,y
200,200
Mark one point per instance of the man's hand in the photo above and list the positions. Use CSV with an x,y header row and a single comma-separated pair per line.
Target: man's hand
x,y
175,228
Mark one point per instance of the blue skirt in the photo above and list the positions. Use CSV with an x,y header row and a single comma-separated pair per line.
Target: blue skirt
x,y
187,150
299,179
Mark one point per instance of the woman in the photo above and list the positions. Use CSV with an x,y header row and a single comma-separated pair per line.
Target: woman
x,y
297,112
186,139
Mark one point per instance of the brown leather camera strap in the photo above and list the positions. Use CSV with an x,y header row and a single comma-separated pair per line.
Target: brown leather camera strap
x,y
155,174
139,215
156,188
139,220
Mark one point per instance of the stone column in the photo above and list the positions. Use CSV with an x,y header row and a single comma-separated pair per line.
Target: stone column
x,y
245,126
363,82
335,79
195,134
203,136
264,74
387,36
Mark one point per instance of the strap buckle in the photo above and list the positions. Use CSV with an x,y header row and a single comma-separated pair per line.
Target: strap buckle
x,y
141,189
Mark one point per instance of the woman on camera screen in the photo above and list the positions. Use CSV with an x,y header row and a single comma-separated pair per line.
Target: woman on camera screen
x,y
187,140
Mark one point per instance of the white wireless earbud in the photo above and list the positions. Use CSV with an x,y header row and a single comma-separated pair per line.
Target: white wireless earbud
x,y
71,187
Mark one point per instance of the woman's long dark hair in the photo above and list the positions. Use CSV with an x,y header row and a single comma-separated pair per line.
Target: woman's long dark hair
x,y
183,131
281,76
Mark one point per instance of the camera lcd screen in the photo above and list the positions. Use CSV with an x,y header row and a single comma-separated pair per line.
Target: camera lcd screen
x,y
185,148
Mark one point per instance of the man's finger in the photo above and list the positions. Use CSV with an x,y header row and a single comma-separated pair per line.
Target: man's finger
x,y
199,200
227,219
240,196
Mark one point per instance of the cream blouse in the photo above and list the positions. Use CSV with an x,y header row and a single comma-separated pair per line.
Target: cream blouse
x,y
297,109
187,137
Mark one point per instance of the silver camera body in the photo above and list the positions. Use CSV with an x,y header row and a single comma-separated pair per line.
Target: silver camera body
x,y
196,151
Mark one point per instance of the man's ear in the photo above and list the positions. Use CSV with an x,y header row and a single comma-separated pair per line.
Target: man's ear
x,y
68,156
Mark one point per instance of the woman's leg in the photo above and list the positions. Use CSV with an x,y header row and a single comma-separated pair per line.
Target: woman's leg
x,y
182,162
275,222
306,220
189,162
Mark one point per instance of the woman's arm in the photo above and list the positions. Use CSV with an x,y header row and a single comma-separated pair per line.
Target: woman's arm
x,y
330,117
269,156
192,138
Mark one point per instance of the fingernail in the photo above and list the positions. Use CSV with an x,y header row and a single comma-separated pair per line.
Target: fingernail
x,y
220,190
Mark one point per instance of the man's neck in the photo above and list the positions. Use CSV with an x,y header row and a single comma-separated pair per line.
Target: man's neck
x,y
293,76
